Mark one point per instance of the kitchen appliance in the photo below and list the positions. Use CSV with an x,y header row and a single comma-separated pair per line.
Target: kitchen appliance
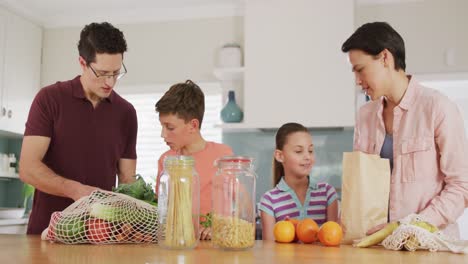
x,y
11,213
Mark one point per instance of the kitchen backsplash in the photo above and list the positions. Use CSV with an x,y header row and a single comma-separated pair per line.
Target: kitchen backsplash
x,y
329,147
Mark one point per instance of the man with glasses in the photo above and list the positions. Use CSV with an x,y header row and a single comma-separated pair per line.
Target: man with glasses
x,y
80,134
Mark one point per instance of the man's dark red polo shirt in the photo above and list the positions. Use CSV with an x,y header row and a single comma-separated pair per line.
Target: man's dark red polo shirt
x,y
86,143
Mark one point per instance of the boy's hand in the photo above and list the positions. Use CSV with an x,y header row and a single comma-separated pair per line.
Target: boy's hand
x,y
205,233
205,220
205,226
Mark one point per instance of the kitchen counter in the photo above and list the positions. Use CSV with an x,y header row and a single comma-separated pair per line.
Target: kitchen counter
x,y
30,249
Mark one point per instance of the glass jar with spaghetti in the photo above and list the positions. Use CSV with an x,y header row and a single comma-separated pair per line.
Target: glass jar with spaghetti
x,y
233,220
179,203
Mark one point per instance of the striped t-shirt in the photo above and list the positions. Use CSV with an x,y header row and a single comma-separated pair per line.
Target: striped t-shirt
x,y
282,201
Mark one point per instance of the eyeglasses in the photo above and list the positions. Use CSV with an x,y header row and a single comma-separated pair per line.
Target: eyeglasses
x,y
116,76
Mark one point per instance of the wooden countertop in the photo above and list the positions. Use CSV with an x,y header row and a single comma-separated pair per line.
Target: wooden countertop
x,y
20,249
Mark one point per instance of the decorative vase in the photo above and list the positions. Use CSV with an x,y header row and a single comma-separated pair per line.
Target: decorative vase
x,y
231,112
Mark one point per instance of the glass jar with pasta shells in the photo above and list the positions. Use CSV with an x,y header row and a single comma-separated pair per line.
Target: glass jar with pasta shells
x,y
233,219
179,203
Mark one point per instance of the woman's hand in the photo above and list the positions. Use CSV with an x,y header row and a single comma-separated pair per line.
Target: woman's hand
x,y
375,229
205,233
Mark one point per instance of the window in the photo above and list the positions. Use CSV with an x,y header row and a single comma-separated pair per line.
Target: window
x,y
150,145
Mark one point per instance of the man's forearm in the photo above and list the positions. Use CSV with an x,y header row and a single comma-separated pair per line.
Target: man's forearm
x,y
126,178
127,170
44,179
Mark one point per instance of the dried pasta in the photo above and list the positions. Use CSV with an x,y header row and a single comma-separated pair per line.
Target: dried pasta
x,y
179,229
232,232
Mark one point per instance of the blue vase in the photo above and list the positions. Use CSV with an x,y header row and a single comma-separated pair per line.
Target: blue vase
x,y
231,112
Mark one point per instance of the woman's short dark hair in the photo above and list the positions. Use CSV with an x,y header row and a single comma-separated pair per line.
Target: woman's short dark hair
x,y
373,38
100,38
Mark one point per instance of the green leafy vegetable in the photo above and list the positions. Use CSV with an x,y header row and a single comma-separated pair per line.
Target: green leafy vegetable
x,y
139,190
28,192
205,220
106,212
115,213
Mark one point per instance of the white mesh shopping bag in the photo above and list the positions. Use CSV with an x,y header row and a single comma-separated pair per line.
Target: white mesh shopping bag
x,y
104,218
413,233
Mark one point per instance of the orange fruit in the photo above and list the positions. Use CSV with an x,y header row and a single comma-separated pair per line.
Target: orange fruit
x,y
330,234
294,222
307,230
284,231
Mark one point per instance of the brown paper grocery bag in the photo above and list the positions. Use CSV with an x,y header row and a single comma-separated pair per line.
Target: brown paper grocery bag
x,y
364,193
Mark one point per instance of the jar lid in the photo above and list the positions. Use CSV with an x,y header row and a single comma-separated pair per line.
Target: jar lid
x,y
178,159
241,160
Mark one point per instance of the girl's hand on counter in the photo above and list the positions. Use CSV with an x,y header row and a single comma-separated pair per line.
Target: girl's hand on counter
x,y
205,233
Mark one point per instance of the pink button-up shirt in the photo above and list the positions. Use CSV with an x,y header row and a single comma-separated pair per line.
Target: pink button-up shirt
x,y
430,155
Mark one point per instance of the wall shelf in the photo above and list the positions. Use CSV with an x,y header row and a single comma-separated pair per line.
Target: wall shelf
x,y
237,127
246,127
232,79
229,74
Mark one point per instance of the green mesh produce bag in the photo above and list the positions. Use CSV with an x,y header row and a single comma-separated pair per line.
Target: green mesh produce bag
x,y
104,218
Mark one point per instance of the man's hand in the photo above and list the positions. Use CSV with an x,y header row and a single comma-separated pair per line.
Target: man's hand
x,y
82,190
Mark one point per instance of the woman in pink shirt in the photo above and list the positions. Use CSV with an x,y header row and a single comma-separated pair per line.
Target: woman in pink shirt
x,y
419,129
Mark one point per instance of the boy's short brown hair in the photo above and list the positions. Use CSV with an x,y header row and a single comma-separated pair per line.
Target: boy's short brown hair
x,y
186,100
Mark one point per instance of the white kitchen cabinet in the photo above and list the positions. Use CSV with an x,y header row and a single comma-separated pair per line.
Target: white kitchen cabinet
x,y
3,25
294,67
20,63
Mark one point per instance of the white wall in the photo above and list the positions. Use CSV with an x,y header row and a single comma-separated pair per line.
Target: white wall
x,y
164,52
430,28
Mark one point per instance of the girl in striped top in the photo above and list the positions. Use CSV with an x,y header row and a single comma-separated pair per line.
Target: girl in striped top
x,y
295,196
